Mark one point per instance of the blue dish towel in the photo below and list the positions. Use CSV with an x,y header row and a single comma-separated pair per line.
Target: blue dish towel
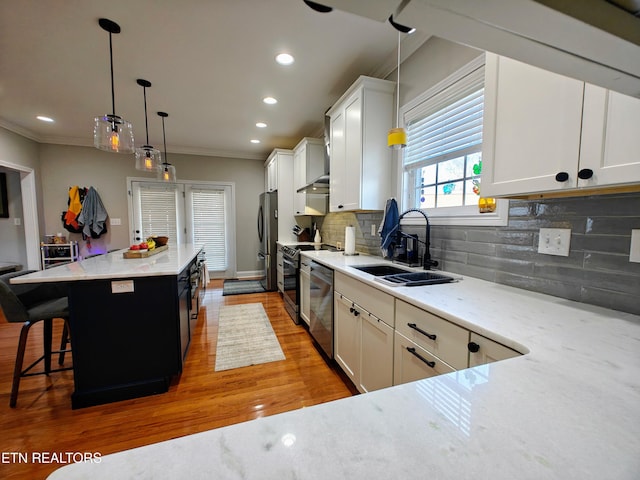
x,y
389,228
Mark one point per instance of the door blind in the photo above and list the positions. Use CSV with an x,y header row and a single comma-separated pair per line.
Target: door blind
x,y
209,225
158,211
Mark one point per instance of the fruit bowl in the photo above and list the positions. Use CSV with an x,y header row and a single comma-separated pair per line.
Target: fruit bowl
x,y
160,241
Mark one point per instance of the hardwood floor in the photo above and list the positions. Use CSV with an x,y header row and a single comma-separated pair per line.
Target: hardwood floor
x,y
200,400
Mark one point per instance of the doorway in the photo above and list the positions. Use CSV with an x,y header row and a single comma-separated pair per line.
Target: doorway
x,y
188,212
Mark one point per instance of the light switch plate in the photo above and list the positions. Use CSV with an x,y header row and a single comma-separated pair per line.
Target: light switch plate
x,y
554,241
634,250
115,221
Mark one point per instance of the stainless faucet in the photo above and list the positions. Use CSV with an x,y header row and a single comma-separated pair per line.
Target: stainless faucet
x,y
427,262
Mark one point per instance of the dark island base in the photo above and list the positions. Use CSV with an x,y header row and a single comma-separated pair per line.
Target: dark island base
x,y
91,398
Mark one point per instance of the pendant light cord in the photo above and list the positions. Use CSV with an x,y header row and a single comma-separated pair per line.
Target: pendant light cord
x,y
398,87
146,122
164,139
113,93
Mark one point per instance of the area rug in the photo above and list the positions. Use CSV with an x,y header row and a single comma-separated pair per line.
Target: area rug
x,y
245,337
236,287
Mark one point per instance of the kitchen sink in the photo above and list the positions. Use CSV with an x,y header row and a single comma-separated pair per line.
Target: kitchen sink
x,y
414,279
381,270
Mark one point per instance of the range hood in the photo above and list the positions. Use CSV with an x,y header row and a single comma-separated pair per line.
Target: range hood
x,y
320,186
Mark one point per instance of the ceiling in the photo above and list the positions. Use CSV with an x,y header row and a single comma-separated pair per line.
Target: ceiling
x,y
210,64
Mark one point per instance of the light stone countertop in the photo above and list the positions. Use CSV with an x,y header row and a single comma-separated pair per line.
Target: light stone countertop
x,y
568,409
112,265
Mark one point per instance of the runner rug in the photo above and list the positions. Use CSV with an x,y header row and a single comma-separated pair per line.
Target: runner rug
x,y
237,287
245,337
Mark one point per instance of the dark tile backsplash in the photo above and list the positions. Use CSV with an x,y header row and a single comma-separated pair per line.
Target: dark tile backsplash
x,y
597,270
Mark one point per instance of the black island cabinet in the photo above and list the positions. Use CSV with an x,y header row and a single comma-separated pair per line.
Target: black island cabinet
x,y
130,322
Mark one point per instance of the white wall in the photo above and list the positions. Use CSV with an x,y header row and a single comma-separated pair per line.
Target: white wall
x,y
11,235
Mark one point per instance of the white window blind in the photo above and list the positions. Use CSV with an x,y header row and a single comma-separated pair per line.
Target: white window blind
x,y
209,225
158,210
446,125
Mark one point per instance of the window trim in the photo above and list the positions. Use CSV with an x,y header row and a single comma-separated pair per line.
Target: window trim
x,y
463,215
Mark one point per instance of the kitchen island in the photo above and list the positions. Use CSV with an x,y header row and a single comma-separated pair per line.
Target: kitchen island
x,y
129,321
568,408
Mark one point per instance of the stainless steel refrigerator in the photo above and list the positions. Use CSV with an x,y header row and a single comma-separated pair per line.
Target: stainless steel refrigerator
x,y
268,235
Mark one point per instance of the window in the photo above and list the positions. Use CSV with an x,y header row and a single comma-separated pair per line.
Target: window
x,y
442,162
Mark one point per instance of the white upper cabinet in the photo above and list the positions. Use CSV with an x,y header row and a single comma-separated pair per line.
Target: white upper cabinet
x,y
609,138
546,133
360,161
279,177
308,158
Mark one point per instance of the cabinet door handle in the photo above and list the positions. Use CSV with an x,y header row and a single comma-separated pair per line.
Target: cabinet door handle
x,y
340,206
562,177
432,336
413,352
354,311
585,174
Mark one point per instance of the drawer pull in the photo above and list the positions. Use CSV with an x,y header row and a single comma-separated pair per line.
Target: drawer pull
x,y
354,311
432,336
413,352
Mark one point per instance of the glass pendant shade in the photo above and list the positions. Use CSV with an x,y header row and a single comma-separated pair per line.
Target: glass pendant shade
x,y
167,173
112,133
148,159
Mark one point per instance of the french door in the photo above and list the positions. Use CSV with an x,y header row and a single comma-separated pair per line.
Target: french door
x,y
200,213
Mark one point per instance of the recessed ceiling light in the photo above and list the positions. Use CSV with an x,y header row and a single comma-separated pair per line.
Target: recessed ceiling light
x,y
255,140
269,100
285,59
261,125
44,119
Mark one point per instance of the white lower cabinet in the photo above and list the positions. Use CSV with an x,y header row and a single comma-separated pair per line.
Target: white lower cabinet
x,y
483,350
280,272
412,362
381,341
363,345
346,337
376,354
305,291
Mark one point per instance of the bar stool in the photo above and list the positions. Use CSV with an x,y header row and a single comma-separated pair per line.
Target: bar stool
x,y
29,304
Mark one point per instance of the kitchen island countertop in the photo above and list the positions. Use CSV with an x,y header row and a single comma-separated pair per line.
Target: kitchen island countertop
x,y
568,408
113,265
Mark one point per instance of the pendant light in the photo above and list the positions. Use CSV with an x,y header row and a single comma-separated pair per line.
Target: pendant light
x,y
148,159
397,137
166,172
111,132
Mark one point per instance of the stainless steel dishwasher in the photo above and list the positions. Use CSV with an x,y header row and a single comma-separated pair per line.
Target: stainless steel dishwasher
x,y
321,306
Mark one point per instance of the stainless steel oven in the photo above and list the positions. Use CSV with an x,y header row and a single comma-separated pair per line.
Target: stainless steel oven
x,y
291,271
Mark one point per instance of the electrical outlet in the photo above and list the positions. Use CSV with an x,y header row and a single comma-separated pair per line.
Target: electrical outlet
x,y
115,221
122,286
554,241
17,221
373,229
634,250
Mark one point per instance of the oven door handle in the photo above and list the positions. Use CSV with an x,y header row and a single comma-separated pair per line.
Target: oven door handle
x,y
289,262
